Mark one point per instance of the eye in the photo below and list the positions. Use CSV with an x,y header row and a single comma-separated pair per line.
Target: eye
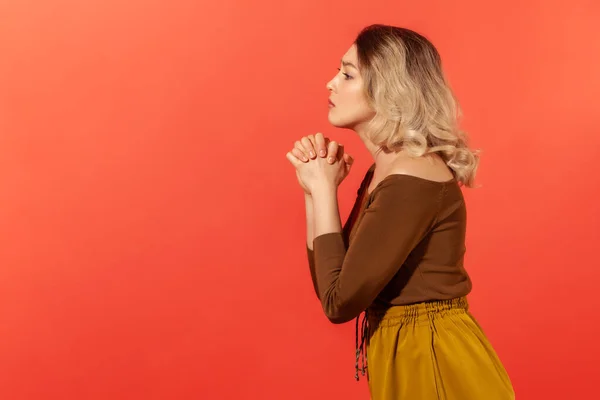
x,y
346,76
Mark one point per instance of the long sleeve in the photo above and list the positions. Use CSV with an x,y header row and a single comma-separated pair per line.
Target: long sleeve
x,y
401,212
310,254
311,264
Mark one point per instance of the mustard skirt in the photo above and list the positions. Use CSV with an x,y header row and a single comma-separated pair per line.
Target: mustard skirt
x,y
434,350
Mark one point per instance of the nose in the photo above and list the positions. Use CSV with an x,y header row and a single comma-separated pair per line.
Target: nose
x,y
330,85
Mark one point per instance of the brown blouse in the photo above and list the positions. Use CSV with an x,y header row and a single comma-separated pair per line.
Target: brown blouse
x,y
404,243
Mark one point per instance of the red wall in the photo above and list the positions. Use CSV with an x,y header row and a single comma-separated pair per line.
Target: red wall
x,y
152,231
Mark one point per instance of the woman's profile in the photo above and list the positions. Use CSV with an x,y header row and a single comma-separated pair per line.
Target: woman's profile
x,y
399,256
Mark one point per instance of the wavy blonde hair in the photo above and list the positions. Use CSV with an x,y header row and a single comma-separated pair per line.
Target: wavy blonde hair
x,y
415,109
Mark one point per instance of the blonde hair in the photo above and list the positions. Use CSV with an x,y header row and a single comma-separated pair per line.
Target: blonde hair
x,y
415,109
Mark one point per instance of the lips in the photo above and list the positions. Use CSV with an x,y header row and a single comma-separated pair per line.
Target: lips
x,y
331,103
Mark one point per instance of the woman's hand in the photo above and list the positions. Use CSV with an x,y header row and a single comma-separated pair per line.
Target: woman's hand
x,y
310,146
318,172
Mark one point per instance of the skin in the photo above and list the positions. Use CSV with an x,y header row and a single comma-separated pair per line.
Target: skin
x,y
322,164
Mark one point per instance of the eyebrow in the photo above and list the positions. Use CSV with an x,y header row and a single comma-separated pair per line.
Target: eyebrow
x,y
348,64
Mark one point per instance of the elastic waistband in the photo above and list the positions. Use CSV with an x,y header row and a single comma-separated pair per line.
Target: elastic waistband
x,y
416,313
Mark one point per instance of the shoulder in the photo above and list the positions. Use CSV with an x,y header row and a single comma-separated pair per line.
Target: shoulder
x,y
418,176
405,187
430,168
414,183
405,198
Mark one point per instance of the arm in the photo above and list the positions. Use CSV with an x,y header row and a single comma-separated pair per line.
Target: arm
x,y
400,215
322,216
310,224
310,221
326,210
310,235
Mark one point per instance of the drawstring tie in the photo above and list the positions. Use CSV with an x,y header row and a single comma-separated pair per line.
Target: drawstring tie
x,y
361,349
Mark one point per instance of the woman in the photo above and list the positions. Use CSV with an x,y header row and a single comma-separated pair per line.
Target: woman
x,y
399,257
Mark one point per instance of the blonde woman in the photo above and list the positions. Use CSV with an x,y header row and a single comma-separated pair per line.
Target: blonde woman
x,y
399,256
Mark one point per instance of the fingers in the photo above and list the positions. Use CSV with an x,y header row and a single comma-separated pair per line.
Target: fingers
x,y
311,146
321,146
333,151
308,147
293,159
348,159
296,152
341,151
303,151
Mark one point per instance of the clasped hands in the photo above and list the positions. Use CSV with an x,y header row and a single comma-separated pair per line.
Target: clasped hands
x,y
320,163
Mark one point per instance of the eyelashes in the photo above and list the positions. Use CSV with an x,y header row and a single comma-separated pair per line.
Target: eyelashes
x,y
346,76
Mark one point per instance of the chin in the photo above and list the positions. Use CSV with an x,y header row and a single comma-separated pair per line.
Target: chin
x,y
338,123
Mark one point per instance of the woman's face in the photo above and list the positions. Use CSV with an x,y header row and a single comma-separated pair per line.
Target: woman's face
x,y
350,108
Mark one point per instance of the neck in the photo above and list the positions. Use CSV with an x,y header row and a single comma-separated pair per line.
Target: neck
x,y
383,161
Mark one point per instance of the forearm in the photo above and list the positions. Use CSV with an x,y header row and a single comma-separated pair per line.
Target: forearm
x,y
310,220
325,211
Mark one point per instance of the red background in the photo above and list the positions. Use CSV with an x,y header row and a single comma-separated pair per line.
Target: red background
x,y
151,229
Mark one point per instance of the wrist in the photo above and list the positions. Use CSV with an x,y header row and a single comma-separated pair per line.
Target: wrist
x,y
323,191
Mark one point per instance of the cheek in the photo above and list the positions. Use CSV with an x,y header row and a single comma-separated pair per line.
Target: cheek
x,y
358,103
349,95
352,108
